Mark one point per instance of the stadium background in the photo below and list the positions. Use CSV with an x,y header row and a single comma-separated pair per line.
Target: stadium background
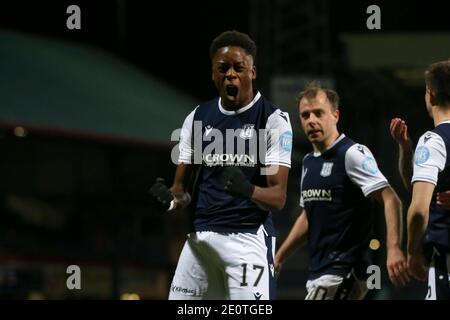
x,y
86,117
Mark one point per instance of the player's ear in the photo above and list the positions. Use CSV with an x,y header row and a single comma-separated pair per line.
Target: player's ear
x,y
337,115
253,72
432,97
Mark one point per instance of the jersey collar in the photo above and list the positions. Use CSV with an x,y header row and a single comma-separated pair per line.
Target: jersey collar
x,y
445,121
230,113
318,154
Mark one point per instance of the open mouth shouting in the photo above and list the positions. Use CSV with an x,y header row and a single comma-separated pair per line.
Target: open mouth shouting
x,y
231,90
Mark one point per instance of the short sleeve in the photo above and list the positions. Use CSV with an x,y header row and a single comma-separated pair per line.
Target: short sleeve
x,y
279,139
362,169
429,158
185,147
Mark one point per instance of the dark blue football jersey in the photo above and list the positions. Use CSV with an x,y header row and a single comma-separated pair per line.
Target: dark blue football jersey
x,y
250,138
334,188
432,164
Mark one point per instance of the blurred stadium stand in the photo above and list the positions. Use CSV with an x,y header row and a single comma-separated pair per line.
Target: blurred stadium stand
x,y
83,136
84,90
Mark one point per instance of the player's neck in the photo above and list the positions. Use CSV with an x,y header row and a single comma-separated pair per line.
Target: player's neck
x,y
440,114
323,146
237,106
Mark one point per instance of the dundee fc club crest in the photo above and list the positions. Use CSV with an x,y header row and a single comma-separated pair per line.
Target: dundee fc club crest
x,y
247,131
326,169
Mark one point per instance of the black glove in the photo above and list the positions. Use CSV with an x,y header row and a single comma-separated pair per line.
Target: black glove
x,y
236,183
161,193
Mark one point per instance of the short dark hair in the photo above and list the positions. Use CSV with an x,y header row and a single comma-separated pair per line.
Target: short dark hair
x,y
233,38
437,79
312,88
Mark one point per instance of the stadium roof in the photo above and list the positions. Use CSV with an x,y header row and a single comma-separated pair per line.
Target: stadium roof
x,y
66,88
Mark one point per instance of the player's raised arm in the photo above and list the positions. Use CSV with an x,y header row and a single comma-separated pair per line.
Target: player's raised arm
x,y
399,131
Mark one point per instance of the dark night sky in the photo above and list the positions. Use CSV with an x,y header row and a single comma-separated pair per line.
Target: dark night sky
x,y
170,39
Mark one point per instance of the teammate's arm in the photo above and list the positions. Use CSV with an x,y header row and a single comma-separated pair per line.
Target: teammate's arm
x,y
396,262
297,238
417,223
399,131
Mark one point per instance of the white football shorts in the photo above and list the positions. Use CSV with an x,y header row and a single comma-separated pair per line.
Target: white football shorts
x,y
222,266
332,287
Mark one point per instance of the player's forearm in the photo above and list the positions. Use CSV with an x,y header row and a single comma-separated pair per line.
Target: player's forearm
x,y
405,165
417,223
273,197
297,238
182,175
394,225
